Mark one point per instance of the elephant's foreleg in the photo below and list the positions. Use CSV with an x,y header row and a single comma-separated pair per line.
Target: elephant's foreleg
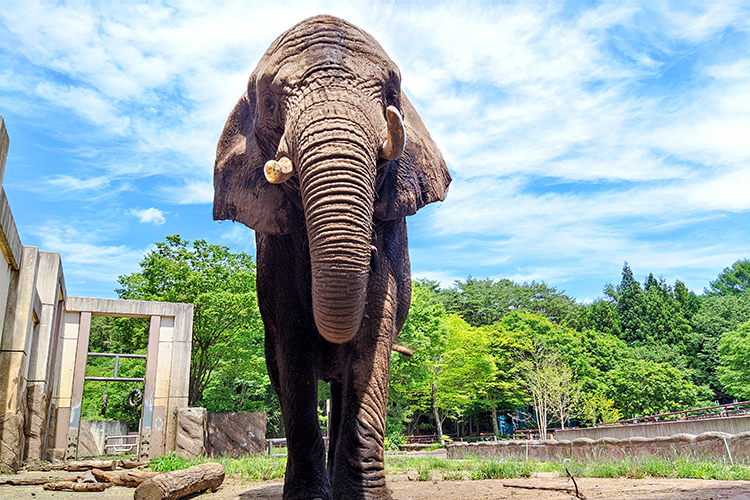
x,y
358,466
306,475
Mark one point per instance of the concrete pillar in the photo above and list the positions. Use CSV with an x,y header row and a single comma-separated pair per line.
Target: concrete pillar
x,y
21,317
10,245
63,388
51,289
146,448
179,387
76,398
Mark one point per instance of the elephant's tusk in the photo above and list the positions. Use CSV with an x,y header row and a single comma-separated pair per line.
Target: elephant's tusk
x,y
279,171
402,350
393,147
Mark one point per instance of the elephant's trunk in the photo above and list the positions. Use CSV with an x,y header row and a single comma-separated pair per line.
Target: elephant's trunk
x,y
336,172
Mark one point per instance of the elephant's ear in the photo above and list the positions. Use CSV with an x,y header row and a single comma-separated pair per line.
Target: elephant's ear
x,y
418,177
241,191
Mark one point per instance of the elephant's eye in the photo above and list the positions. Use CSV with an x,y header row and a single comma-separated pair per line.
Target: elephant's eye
x,y
269,104
391,94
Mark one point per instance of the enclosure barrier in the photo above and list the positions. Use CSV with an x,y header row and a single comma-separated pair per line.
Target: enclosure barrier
x,y
734,448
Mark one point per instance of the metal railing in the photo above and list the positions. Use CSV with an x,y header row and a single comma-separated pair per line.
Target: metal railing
x,y
123,446
117,357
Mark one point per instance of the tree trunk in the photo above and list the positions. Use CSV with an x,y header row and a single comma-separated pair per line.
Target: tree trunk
x,y
495,427
181,483
438,424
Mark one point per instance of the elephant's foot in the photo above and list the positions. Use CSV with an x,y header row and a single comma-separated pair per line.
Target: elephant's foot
x,y
310,486
361,484
377,493
302,492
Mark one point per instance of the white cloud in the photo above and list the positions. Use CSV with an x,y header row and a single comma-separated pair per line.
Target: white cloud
x,y
90,264
190,193
572,135
149,215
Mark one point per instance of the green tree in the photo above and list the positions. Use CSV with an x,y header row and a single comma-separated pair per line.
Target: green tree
x,y
631,307
640,387
451,371
734,361
425,334
551,386
507,392
596,407
734,280
220,285
654,314
482,302
717,314
601,315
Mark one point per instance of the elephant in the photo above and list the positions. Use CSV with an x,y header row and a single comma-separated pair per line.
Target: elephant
x,y
324,157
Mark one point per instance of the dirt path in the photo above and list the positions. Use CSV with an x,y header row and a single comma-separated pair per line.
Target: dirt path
x,y
405,489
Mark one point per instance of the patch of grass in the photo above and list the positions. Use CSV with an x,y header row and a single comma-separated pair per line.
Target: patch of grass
x,y
502,470
656,467
171,461
424,473
262,468
254,468
454,476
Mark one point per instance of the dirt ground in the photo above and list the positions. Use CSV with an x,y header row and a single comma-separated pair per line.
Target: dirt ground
x,y
405,489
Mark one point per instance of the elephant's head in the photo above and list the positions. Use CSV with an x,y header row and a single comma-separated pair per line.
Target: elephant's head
x,y
325,141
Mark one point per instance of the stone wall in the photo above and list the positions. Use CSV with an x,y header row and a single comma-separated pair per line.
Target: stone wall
x,y
709,445
236,434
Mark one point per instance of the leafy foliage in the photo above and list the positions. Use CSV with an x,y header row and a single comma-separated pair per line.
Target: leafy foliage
x,y
484,302
734,361
227,330
640,387
734,280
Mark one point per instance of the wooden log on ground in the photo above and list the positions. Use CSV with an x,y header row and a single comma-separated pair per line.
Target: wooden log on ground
x,y
70,485
181,483
37,479
129,478
133,464
83,465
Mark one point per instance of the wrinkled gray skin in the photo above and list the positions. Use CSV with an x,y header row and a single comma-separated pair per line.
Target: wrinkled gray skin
x,y
333,280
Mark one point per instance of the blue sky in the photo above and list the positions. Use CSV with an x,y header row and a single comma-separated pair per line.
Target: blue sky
x,y
579,135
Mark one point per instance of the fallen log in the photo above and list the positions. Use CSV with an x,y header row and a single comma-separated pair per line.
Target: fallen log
x,y
129,478
38,479
181,483
84,465
70,485
133,464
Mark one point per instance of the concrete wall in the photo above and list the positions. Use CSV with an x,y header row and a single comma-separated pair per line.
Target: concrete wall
x,y
44,347
729,425
102,428
708,446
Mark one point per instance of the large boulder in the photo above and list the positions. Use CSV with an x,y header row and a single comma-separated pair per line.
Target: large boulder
x,y
191,432
236,434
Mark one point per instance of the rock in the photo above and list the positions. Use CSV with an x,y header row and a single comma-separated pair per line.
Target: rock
x,y
236,434
192,432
